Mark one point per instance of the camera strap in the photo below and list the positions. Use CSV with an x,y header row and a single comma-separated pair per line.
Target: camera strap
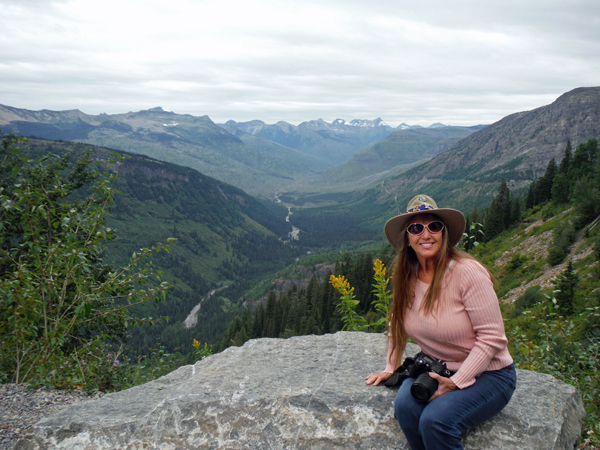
x,y
400,374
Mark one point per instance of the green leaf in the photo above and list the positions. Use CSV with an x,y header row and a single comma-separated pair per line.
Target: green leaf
x,y
88,309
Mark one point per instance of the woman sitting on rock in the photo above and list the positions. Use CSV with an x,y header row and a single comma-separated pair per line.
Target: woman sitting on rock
x,y
444,300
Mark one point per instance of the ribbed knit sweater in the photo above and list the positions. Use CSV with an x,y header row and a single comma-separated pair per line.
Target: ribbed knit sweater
x,y
466,330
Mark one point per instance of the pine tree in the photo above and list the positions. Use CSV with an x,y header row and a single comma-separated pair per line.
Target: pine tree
x,y
277,316
476,216
492,226
269,327
259,321
314,298
586,193
565,162
560,189
285,306
498,214
507,207
362,280
530,201
515,213
543,191
566,284
583,160
327,304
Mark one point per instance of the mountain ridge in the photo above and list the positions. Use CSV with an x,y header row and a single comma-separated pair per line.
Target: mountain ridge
x,y
193,141
330,143
517,148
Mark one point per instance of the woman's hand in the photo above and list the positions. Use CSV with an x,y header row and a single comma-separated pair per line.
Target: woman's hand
x,y
445,385
376,378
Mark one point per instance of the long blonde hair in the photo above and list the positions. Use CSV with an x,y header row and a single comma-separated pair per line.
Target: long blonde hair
x,y
404,279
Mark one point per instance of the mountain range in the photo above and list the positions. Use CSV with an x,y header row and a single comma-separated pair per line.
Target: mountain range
x,y
332,143
186,140
461,165
261,159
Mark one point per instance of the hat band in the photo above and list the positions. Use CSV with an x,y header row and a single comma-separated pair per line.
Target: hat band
x,y
423,207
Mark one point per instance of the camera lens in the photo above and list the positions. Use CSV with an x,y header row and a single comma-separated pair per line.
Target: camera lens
x,y
423,388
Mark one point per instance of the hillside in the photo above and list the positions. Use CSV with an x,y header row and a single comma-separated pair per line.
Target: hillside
x,y
225,238
187,140
394,153
298,159
516,148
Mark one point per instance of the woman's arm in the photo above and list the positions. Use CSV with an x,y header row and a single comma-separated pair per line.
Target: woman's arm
x,y
481,304
376,378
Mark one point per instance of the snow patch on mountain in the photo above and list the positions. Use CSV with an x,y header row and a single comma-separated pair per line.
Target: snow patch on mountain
x,y
159,109
363,123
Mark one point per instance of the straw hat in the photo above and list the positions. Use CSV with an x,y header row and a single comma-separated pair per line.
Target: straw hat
x,y
423,204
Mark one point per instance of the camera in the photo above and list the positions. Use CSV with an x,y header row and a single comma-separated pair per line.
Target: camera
x,y
425,386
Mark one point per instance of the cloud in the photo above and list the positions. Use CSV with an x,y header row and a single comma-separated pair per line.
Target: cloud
x,y
462,63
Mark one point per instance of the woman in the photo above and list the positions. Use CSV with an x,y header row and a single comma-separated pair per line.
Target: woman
x,y
445,301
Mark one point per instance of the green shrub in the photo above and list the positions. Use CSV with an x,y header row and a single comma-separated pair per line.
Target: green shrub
x,y
587,196
516,262
56,295
548,211
553,346
528,299
563,236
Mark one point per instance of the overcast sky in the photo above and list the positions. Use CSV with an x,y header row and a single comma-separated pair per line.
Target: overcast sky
x,y
459,63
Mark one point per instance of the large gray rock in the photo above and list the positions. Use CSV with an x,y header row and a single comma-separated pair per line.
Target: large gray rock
x,y
303,392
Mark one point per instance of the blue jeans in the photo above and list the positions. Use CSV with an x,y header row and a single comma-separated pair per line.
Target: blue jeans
x,y
439,424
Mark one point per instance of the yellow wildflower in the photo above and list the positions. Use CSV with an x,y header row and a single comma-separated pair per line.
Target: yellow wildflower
x,y
340,284
379,268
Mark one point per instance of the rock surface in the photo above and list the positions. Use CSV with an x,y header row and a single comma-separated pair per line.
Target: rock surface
x,y
302,392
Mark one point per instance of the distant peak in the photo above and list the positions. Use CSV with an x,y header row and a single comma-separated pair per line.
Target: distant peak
x,y
437,125
159,109
364,123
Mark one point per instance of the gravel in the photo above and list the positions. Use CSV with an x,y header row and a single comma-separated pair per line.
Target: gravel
x,y
21,407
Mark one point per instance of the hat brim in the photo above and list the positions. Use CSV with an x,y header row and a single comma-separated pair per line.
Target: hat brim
x,y
452,218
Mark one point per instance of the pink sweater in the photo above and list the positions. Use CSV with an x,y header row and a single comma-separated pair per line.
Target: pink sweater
x,y
467,329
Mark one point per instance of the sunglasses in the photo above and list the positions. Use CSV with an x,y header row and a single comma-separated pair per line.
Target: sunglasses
x,y
417,228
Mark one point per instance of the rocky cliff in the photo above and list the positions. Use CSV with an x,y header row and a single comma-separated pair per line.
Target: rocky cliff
x,y
298,393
